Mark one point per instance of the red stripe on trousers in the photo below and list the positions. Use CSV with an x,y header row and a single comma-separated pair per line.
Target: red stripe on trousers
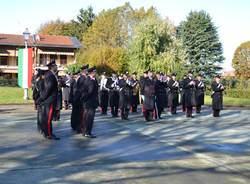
x,y
49,119
143,109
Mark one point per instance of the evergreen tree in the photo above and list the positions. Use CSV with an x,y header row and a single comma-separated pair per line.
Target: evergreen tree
x,y
83,21
201,40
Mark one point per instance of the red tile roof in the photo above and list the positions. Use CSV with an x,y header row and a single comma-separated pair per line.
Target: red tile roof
x,y
42,41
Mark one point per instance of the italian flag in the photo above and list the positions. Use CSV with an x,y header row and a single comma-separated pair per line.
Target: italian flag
x,y
25,67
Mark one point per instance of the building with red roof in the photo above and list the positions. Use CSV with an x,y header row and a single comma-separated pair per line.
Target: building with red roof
x,y
44,49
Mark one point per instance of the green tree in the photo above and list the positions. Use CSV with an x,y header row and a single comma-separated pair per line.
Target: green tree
x,y
201,40
154,45
241,61
106,58
105,43
75,28
73,68
83,21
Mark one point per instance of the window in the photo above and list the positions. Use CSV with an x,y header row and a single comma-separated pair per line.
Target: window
x,y
42,59
3,60
63,60
53,57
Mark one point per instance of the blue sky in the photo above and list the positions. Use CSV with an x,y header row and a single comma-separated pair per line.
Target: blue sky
x,y
231,17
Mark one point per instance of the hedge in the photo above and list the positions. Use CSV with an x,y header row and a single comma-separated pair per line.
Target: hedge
x,y
8,82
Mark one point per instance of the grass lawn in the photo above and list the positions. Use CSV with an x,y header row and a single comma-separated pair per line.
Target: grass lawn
x,y
229,101
13,95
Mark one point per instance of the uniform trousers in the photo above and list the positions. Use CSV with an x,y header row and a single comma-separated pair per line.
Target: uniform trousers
x,y
88,120
45,118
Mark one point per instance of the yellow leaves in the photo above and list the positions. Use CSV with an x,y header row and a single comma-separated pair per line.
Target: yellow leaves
x,y
241,61
112,59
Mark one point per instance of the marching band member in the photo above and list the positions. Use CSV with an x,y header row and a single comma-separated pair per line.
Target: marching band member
x,y
125,94
182,94
38,87
217,96
74,99
90,102
200,93
142,84
160,94
173,97
104,93
81,90
189,87
149,97
114,88
48,99
135,99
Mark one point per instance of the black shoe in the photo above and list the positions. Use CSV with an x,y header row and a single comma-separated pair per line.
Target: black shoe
x,y
52,137
89,135
78,132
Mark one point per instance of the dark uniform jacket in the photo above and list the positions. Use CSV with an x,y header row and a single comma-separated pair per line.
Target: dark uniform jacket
x,y
103,92
200,92
190,98
125,93
217,96
161,94
142,84
81,88
37,89
149,94
49,94
135,92
182,92
72,90
173,95
112,84
90,97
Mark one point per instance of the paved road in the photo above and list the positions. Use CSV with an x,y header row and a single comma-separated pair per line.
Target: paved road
x,y
174,150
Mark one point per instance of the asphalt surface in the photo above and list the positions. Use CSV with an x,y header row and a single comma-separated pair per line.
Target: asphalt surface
x,y
174,150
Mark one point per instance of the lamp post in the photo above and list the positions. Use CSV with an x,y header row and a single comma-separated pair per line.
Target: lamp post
x,y
26,35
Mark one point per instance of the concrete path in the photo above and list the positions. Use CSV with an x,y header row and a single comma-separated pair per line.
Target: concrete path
x,y
174,150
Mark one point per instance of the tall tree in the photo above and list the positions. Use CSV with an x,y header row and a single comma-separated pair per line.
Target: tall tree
x,y
106,41
201,40
75,28
83,21
155,46
241,61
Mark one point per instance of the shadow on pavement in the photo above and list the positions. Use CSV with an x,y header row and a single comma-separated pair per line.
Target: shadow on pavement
x,y
124,151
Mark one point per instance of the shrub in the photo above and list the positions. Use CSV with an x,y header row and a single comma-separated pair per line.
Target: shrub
x,y
238,93
8,82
